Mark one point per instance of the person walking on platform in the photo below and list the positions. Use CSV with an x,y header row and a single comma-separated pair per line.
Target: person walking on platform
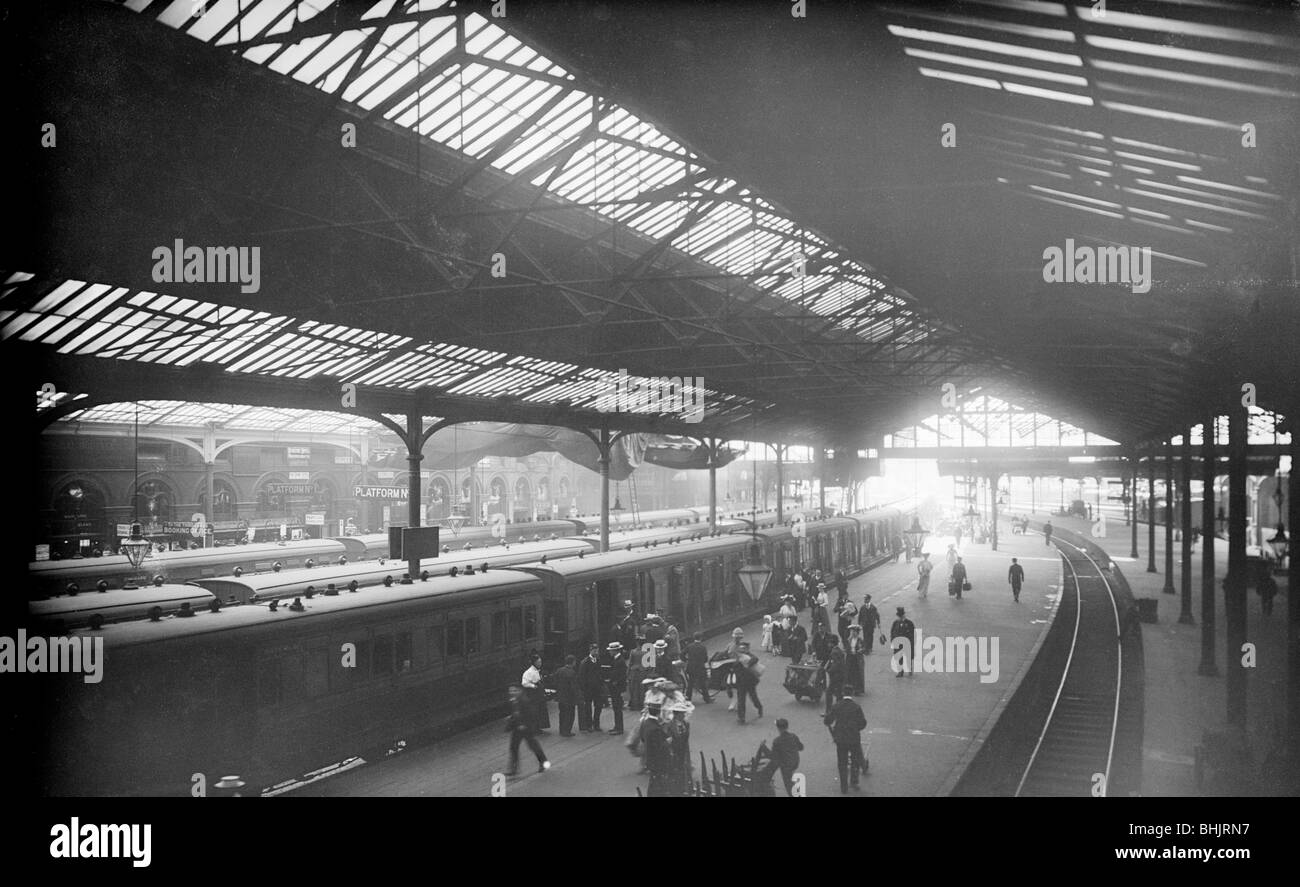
x,y
697,668
591,684
748,671
564,681
533,693
635,674
902,640
797,643
896,545
521,725
957,538
869,619
957,581
854,660
784,755
835,671
1016,576
848,613
846,722
821,645
614,672
923,570
658,753
1047,533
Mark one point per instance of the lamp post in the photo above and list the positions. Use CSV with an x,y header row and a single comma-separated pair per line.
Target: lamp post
x,y
136,547
755,574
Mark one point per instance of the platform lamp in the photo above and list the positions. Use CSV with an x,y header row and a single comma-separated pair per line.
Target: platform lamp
x,y
915,534
136,547
458,517
755,574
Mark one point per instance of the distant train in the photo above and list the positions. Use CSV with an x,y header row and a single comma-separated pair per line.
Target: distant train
x,y
273,691
114,571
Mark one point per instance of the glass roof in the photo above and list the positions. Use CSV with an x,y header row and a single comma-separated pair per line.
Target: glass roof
x,y
1191,75
466,83
226,417
97,320
987,421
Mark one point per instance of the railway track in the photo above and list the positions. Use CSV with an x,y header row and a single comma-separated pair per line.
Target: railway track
x,y
1075,751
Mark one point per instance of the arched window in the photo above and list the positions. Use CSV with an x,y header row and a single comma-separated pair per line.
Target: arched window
x,y
154,502
224,498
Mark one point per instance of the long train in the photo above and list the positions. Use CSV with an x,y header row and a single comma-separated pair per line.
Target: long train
x,y
272,693
50,578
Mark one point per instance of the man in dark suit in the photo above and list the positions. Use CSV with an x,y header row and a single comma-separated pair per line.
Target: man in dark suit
x,y
869,619
522,727
784,754
902,638
846,722
958,577
564,681
697,668
591,684
1016,576
614,671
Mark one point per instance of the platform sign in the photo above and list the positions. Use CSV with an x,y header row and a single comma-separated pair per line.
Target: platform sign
x,y
314,519
124,530
413,543
174,527
42,552
368,492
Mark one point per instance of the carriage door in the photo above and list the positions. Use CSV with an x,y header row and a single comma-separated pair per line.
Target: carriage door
x,y
674,580
555,625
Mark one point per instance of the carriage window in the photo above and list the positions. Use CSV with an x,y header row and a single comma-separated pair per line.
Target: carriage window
x,y
516,625
530,623
471,636
498,630
383,656
404,653
456,638
436,644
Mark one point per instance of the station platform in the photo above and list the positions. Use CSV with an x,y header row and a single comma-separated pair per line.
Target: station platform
x,y
1181,705
921,729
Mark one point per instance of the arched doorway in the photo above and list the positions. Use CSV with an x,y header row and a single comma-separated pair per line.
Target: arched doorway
x,y
78,525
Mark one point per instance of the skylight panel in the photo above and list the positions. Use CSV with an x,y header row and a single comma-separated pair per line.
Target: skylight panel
x,y
968,79
331,55
297,52
1039,92
1165,26
999,67
1178,53
1013,49
216,17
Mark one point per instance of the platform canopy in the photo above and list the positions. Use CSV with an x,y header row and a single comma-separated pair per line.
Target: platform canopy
x,y
511,210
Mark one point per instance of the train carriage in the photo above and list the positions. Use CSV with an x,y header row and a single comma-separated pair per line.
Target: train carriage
x,y
54,577
338,579
271,694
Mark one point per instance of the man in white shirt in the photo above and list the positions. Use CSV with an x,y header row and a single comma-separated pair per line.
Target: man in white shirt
x,y
533,693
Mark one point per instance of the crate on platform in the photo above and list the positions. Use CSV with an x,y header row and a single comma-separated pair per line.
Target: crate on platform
x,y
1146,608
